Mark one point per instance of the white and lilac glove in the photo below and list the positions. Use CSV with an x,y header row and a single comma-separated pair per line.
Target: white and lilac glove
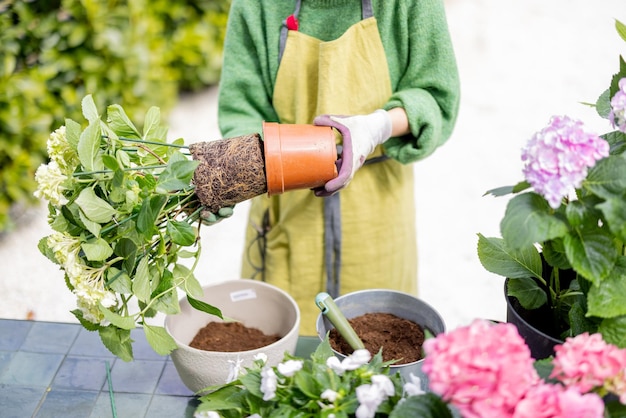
x,y
361,135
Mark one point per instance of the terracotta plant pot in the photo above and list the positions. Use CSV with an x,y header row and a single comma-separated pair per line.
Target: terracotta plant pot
x,y
289,157
393,302
257,305
298,156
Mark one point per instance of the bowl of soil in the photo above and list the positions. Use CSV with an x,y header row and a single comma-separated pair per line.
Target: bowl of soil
x,y
390,320
259,318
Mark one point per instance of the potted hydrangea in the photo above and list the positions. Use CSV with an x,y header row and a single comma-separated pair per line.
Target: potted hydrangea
x,y
125,207
563,240
481,370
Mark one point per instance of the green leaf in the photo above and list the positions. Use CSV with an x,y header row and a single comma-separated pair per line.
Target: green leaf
x,y
95,208
607,178
93,227
161,342
96,249
528,220
141,281
544,367
151,123
621,29
592,255
117,341
607,299
181,232
110,162
427,405
123,322
613,330
527,292
615,215
120,123
90,112
88,325
72,133
45,249
118,281
89,148
204,307
148,214
127,249
176,176
497,258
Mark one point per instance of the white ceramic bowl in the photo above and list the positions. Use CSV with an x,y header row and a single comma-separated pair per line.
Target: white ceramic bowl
x,y
256,304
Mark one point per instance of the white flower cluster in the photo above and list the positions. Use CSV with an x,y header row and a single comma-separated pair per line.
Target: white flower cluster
x,y
88,282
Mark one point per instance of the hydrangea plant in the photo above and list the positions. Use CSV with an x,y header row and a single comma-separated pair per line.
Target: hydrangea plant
x,y
482,370
124,216
564,232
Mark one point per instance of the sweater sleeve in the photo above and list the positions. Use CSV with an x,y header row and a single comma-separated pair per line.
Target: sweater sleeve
x,y
427,77
246,82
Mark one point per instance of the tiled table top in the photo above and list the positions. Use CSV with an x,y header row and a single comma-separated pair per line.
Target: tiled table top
x,y
50,369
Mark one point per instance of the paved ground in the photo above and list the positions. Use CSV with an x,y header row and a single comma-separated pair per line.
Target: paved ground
x,y
520,63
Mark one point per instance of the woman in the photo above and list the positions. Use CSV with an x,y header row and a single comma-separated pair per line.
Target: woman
x,y
390,66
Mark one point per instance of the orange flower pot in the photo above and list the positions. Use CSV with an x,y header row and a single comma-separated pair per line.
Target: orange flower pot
x,y
298,156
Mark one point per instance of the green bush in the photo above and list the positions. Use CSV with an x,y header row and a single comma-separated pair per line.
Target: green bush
x,y
136,53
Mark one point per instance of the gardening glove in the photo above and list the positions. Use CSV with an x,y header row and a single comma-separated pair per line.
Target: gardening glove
x,y
211,218
361,135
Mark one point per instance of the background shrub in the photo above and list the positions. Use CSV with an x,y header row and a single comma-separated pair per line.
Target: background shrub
x,y
137,53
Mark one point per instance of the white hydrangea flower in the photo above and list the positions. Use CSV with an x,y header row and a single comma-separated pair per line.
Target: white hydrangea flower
x,y
61,152
206,414
234,370
269,383
50,183
64,246
330,395
356,359
261,356
414,387
290,367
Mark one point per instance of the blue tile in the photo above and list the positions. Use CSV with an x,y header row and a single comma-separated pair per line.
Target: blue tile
x,y
81,373
141,348
127,405
172,407
50,337
88,343
67,404
13,333
5,360
31,369
170,383
139,376
19,402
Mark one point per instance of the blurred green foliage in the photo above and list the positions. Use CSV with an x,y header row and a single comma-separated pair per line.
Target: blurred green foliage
x,y
135,53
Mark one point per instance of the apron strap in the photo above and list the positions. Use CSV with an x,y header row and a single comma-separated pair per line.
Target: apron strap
x,y
332,244
366,12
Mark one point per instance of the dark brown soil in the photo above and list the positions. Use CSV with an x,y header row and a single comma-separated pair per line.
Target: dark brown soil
x,y
231,337
231,171
399,338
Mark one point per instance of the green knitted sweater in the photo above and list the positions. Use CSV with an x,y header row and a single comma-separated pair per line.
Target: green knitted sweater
x,y
420,57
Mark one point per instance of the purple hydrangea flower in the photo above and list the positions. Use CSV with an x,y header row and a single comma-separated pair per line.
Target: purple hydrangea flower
x,y
618,107
557,157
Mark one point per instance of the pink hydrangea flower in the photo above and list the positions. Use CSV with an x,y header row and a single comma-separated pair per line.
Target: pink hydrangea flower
x,y
556,401
586,362
617,116
557,157
482,369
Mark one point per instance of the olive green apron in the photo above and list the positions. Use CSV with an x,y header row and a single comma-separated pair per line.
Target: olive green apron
x,y
366,238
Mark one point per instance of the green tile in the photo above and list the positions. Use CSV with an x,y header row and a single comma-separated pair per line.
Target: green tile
x,y
67,404
31,369
172,407
13,333
50,337
127,405
19,402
